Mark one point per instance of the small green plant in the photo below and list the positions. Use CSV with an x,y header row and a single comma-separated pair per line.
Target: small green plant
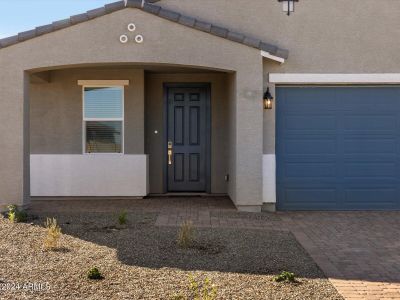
x,y
11,213
53,235
285,276
199,290
94,274
123,218
15,215
185,235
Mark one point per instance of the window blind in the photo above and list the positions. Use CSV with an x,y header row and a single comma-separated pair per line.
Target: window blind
x,y
103,102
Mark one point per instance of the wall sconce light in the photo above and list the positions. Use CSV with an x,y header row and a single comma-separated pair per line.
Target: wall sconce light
x,y
288,5
268,99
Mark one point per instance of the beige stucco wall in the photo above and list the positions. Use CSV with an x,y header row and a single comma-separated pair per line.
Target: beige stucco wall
x,y
322,36
219,127
97,42
56,110
332,36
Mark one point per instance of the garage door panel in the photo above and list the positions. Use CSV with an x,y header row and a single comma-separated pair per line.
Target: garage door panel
x,y
306,168
367,123
370,98
338,148
310,170
370,198
370,169
375,144
308,145
308,98
310,122
310,199
370,157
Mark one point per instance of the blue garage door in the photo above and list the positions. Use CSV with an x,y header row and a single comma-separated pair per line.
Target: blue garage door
x,y
338,148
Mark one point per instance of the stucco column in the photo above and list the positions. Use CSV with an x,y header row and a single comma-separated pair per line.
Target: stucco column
x,y
14,138
247,137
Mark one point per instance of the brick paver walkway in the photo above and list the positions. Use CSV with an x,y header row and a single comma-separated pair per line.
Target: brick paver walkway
x,y
358,251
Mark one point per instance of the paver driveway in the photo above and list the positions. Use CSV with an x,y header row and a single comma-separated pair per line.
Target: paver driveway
x,y
358,251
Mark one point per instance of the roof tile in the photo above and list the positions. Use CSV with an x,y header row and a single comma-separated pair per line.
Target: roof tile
x,y
252,42
9,41
61,24
114,6
79,18
95,13
169,15
236,37
282,53
187,21
44,29
153,9
219,31
134,3
268,47
26,35
203,26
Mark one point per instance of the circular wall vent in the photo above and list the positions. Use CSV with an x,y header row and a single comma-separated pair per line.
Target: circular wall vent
x,y
131,27
139,39
123,39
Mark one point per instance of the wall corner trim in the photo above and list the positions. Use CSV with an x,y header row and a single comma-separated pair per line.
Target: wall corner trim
x,y
103,82
273,57
269,178
336,78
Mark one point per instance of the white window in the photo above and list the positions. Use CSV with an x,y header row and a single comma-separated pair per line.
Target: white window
x,y
103,119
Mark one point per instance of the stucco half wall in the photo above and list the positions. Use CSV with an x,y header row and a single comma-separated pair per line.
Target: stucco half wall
x,y
165,42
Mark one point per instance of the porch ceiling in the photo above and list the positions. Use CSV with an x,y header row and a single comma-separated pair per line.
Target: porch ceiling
x,y
267,50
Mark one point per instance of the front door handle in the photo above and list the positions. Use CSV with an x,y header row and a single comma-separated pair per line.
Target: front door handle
x,y
170,153
170,157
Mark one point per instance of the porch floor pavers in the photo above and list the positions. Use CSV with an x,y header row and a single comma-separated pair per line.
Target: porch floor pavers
x,y
358,251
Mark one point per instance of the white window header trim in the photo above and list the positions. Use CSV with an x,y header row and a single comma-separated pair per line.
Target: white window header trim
x,y
307,78
109,83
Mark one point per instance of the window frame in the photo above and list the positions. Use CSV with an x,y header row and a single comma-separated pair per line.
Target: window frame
x,y
84,119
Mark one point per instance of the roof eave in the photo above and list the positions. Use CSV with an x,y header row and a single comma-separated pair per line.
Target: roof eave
x,y
267,50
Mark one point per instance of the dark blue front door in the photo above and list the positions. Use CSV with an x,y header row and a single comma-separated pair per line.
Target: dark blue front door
x,y
338,148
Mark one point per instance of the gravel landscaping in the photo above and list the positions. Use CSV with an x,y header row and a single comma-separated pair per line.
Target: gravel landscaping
x,y
142,261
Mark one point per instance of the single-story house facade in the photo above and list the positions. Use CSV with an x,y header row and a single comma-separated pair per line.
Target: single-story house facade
x,y
280,105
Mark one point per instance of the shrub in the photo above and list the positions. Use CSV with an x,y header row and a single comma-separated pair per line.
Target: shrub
x,y
53,234
122,218
11,213
15,215
94,274
203,290
285,276
185,235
